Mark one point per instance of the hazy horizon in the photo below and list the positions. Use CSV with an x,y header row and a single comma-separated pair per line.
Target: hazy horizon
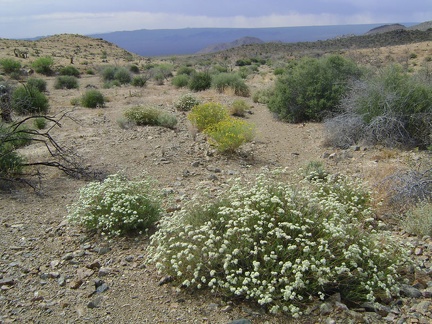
x,y
37,18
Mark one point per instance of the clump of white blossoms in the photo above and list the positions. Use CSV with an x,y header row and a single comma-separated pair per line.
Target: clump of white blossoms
x,y
281,245
116,206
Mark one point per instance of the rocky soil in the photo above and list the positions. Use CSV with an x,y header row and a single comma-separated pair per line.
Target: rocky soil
x,y
51,272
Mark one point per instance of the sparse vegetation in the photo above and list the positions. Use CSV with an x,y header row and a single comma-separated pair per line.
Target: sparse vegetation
x,y
311,88
70,70
229,134
186,102
142,115
37,83
281,246
10,65
224,81
29,100
200,81
43,65
116,206
238,108
66,82
391,108
205,115
93,99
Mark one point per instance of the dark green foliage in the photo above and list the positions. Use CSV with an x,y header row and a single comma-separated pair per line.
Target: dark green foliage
x,y
11,138
10,65
134,69
93,99
37,83
29,100
122,75
312,88
243,62
224,81
43,65
66,82
185,70
70,70
200,81
391,108
139,81
180,80
108,73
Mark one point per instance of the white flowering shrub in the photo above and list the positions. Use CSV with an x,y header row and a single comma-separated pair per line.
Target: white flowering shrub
x,y
281,245
116,206
186,102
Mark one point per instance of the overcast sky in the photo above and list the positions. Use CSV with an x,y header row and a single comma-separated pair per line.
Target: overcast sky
x,y
30,18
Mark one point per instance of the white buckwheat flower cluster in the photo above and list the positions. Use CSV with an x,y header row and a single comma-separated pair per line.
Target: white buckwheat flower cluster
x,y
116,206
281,245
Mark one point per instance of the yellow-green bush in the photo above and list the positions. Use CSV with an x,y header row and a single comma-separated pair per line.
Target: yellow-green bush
x,y
205,115
230,133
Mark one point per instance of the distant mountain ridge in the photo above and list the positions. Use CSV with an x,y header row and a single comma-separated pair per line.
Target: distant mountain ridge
x,y
165,42
224,46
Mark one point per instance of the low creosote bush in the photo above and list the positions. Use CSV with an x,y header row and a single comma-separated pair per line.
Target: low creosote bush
x,y
10,65
229,134
29,100
37,83
66,82
142,115
224,81
180,80
43,65
204,115
116,206
281,245
418,220
186,102
70,70
93,99
200,81
238,108
139,81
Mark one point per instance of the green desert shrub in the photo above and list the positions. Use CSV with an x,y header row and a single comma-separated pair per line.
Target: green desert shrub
x,y
224,81
312,88
29,101
418,220
142,115
12,138
66,82
43,65
200,81
186,102
116,206
92,99
70,70
108,73
229,134
134,69
139,81
263,96
10,65
37,83
40,123
391,108
238,108
185,70
180,80
281,245
205,115
122,75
